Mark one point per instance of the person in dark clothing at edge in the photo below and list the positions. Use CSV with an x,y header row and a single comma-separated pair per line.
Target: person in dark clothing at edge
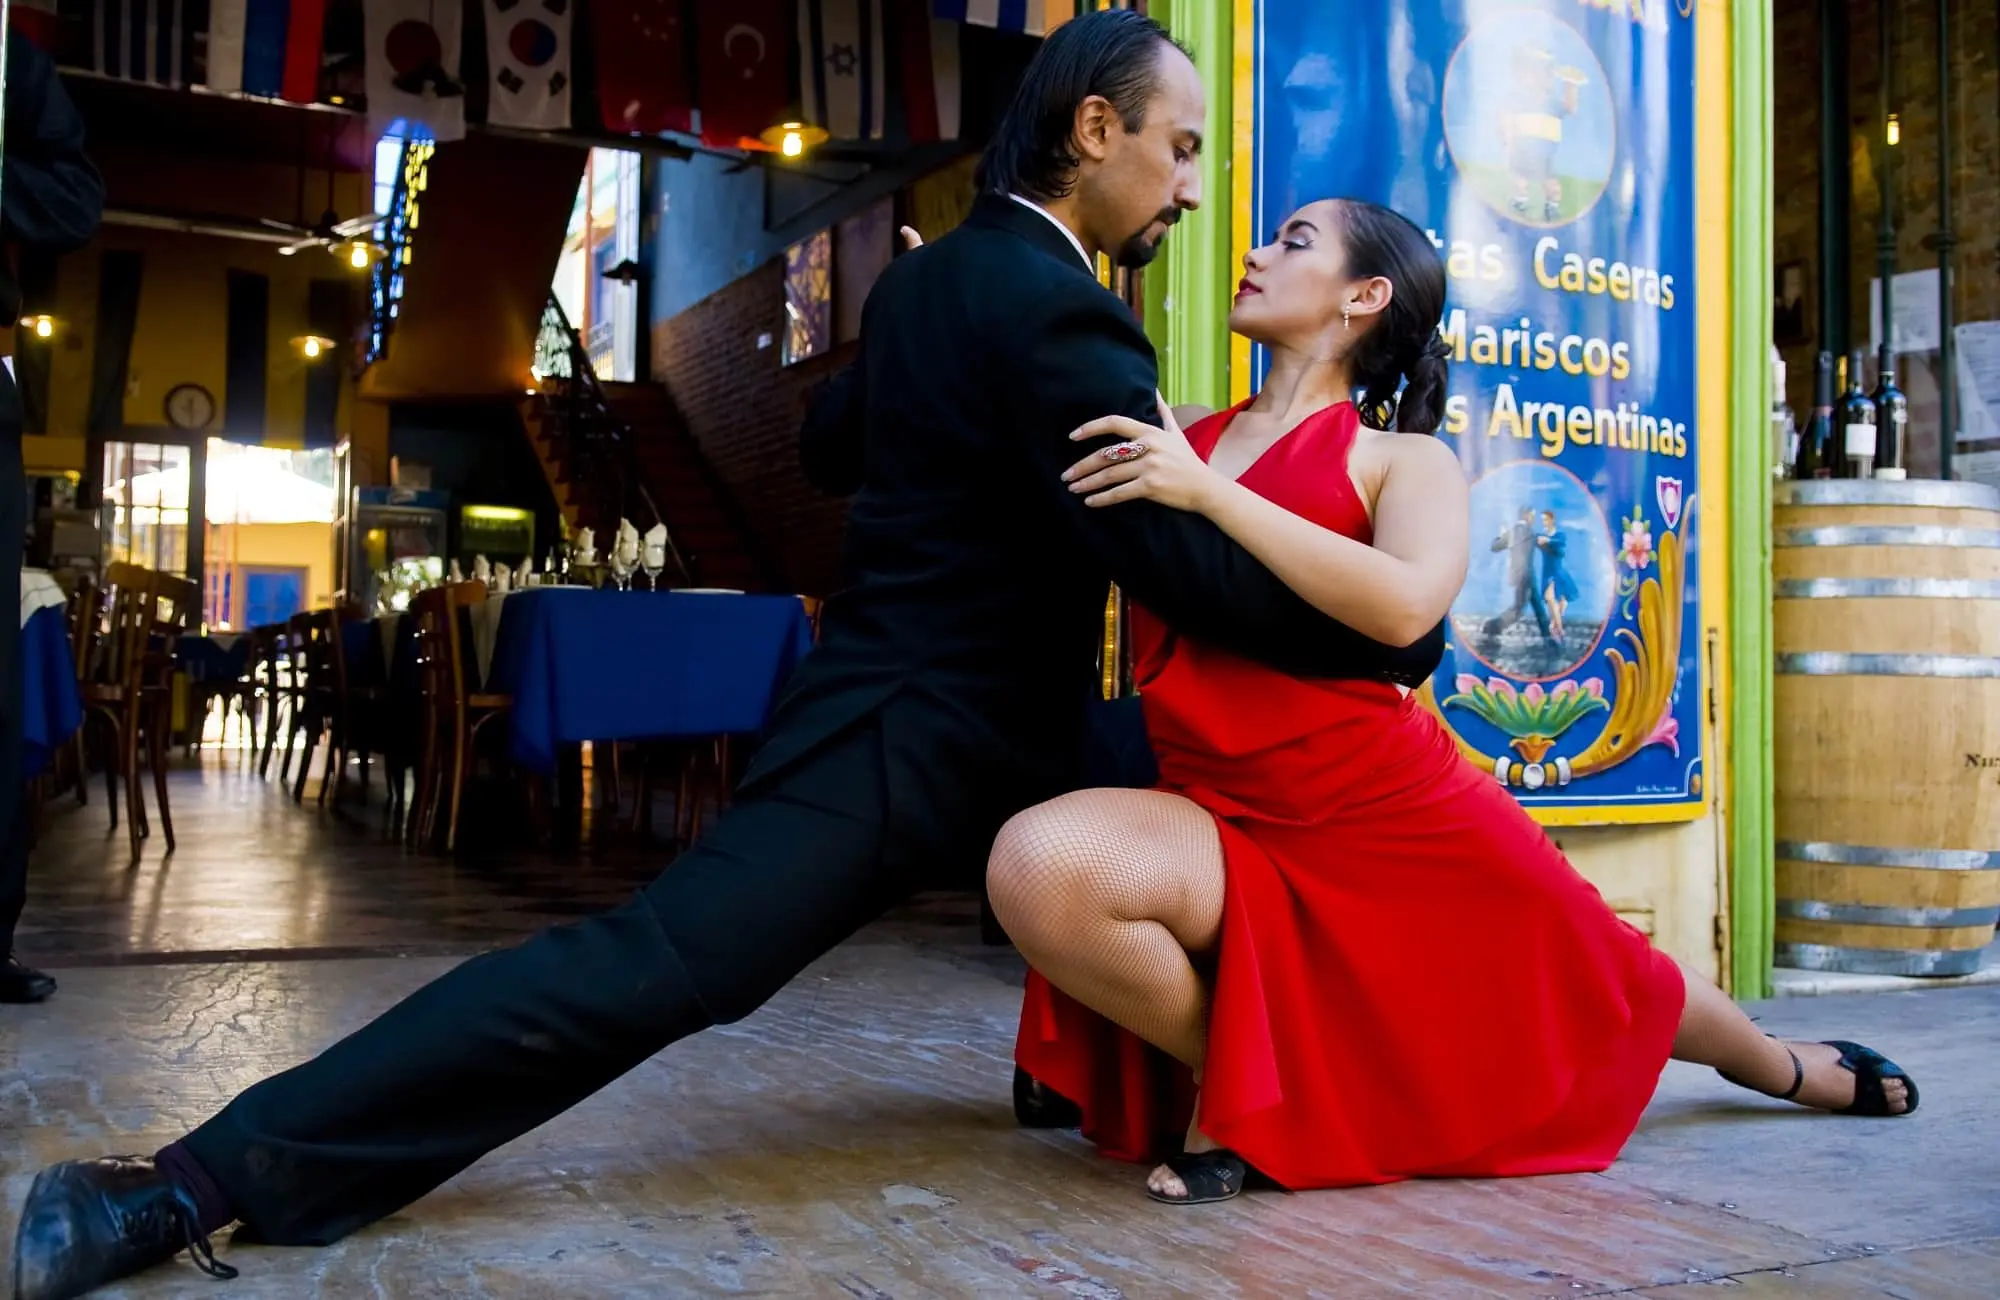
x,y
948,692
50,201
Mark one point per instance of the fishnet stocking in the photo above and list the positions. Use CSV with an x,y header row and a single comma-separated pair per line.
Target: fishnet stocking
x,y
1107,893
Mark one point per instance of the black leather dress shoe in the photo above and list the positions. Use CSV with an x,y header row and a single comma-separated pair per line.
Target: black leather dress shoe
x,y
88,1223
20,983
1036,1107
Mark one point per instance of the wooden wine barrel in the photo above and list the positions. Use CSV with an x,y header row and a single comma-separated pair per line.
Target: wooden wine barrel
x,y
1886,625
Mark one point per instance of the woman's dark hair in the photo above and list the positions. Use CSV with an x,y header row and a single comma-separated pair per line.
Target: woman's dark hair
x,y
1110,52
1405,343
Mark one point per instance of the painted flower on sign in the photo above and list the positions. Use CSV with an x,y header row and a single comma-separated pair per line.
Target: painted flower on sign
x,y
1637,548
1532,717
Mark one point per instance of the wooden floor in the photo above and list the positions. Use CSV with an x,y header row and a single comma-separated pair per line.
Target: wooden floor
x,y
854,1139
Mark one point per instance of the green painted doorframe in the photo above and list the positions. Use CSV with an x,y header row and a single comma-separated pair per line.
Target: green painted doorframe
x,y
1752,868
1187,291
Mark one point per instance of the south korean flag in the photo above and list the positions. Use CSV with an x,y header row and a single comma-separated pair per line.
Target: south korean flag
x,y
527,47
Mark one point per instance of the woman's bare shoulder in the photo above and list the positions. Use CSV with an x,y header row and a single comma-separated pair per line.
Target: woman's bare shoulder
x,y
1192,414
1420,453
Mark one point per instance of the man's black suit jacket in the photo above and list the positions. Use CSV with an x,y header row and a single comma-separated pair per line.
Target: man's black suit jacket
x,y
977,580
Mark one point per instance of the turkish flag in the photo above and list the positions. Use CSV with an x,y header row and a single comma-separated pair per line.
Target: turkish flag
x,y
744,69
643,87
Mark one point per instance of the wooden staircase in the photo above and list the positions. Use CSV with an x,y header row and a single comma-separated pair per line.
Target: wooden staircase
x,y
712,533
672,477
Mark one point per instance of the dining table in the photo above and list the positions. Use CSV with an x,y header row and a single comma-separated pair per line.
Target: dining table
x,y
583,664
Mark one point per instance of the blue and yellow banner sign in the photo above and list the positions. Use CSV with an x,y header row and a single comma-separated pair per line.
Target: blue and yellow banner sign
x,y
1548,148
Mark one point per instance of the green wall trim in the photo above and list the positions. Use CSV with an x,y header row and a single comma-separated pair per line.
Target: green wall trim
x,y
1187,289
1752,868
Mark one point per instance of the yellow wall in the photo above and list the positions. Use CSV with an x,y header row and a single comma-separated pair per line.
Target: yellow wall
x,y
277,546
181,335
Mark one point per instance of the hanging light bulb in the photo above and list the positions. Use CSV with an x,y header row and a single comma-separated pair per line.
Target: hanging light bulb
x,y
360,254
41,326
792,139
312,346
1894,131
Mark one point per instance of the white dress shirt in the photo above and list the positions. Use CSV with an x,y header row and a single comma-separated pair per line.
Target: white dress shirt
x,y
1068,234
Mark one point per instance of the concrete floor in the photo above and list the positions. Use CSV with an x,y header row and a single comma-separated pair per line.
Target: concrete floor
x,y
854,1138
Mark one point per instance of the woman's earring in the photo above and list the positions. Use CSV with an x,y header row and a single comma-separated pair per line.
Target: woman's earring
x,y
1345,313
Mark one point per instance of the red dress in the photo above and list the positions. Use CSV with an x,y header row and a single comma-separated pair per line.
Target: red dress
x,y
1412,981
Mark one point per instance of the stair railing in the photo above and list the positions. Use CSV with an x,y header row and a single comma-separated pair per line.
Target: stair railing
x,y
592,442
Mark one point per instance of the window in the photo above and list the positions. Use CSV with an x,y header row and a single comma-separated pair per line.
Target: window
x,y
603,236
145,505
808,297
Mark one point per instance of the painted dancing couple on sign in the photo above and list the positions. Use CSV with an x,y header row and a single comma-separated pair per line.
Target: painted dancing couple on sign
x,y
1225,981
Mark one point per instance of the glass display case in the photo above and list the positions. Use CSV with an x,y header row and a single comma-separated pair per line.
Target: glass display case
x,y
503,534
396,545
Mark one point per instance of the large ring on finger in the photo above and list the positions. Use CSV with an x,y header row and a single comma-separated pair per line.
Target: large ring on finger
x,y
1125,451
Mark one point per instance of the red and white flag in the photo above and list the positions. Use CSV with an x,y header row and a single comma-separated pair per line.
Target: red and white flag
x,y
743,69
643,82
843,72
412,67
528,55
927,55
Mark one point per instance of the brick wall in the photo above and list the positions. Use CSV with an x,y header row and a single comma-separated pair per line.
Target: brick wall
x,y
1975,125
744,409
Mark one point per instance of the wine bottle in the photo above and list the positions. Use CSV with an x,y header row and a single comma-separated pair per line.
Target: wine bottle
x,y
1816,446
1784,425
1892,418
1857,424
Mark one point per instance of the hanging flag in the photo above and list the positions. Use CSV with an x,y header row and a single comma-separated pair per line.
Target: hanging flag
x,y
1029,16
927,52
38,21
527,49
305,34
139,40
743,69
270,48
412,62
643,53
842,70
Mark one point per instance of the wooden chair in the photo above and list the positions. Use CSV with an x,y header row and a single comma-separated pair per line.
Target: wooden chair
x,y
266,658
131,684
332,707
86,617
454,713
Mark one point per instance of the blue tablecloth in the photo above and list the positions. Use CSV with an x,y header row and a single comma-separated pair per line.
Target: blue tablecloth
x,y
51,707
609,665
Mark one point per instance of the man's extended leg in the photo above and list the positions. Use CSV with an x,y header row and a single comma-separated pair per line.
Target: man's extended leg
x,y
509,1040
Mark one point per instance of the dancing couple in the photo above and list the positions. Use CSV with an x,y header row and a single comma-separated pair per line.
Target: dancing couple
x,y
1368,958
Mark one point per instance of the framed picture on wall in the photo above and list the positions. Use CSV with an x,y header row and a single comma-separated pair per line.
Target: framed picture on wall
x,y
1790,312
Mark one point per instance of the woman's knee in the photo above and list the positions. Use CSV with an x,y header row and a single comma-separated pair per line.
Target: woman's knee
x,y
1039,865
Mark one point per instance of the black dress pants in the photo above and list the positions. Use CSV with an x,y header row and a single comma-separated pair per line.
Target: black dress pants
x,y
13,808
511,1039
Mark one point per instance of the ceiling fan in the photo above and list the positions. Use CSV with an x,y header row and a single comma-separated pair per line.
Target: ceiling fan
x,y
351,240
329,231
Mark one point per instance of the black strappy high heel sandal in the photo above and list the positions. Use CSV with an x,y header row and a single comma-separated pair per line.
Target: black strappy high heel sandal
x,y
1036,1106
1869,1068
1209,1176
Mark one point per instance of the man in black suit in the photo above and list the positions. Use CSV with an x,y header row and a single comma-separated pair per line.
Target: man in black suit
x,y
50,202
947,693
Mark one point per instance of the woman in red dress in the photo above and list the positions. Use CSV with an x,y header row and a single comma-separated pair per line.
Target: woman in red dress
x,y
1375,963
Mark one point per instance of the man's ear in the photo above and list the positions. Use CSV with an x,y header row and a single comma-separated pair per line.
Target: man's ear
x,y
1095,120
